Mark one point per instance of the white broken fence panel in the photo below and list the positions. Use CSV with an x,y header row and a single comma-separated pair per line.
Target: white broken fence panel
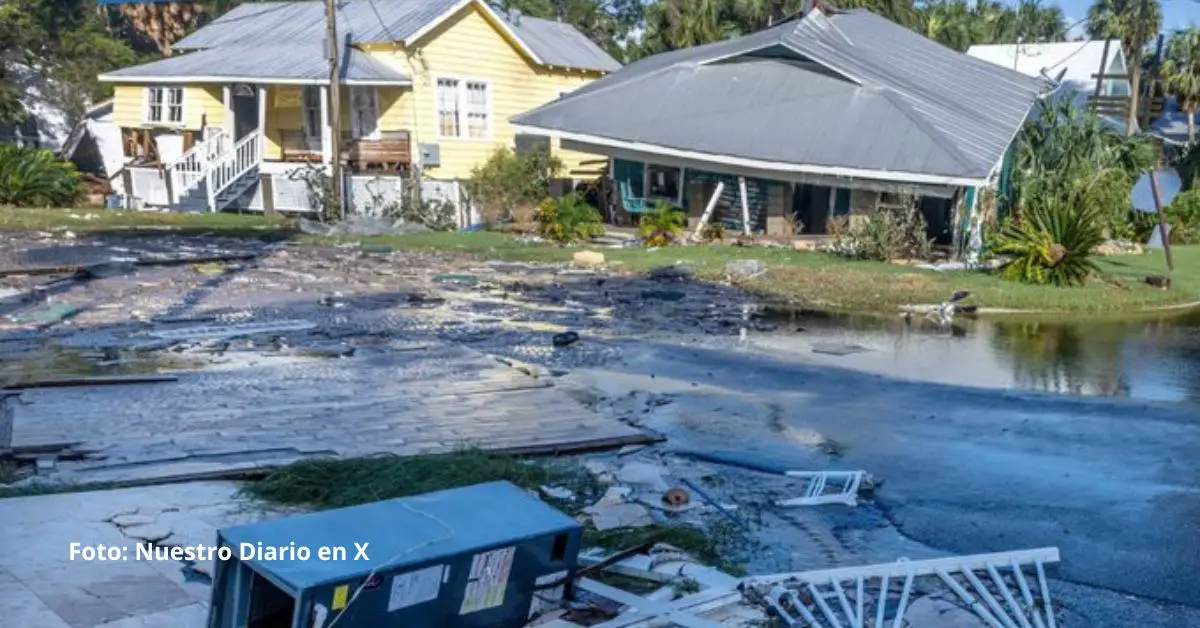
x,y
995,587
827,487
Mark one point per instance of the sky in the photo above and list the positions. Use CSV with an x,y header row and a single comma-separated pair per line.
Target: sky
x,y
1176,13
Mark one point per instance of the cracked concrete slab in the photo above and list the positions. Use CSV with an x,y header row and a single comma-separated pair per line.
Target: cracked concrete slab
x,y
41,585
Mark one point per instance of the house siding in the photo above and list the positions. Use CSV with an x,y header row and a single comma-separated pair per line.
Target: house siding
x,y
201,104
469,46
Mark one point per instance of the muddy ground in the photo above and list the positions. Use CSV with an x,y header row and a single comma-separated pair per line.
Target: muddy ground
x,y
1115,485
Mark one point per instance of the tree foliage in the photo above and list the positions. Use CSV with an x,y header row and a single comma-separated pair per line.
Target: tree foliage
x,y
60,46
1181,74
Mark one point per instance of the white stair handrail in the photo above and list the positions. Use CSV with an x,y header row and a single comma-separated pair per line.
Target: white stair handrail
x,y
224,171
188,170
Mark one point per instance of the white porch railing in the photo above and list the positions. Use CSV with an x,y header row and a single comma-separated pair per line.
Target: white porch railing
x,y
245,156
188,171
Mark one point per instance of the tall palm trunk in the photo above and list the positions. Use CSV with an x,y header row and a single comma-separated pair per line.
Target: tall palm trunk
x,y
1191,118
1135,85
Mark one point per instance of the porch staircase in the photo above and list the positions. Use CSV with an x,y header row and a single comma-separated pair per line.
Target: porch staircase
x,y
215,172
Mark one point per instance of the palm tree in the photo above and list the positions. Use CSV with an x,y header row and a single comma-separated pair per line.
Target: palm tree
x,y
1181,74
1134,22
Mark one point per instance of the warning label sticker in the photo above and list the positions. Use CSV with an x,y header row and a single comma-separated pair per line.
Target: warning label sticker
x,y
415,587
488,580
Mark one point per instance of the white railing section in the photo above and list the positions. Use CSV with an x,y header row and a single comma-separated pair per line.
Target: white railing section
x,y
188,171
245,156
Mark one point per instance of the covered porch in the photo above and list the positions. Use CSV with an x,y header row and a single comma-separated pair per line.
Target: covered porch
x,y
772,203
218,121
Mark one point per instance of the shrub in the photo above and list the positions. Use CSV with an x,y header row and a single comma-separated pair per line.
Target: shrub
x,y
32,177
1052,243
568,219
886,234
662,225
1183,214
508,186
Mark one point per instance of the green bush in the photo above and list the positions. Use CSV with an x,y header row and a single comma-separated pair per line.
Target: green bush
x,y
568,219
31,177
508,186
1183,214
887,234
662,225
1051,244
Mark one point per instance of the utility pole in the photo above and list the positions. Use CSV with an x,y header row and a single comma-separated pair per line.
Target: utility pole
x,y
335,105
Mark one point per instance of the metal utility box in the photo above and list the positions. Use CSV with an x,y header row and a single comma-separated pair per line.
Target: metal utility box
x,y
463,558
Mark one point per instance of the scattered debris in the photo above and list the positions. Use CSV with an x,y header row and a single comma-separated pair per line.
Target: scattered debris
x,y
469,280
676,498
744,268
565,339
558,492
613,511
211,269
838,349
588,259
675,272
827,487
112,380
47,315
1159,281
215,332
360,225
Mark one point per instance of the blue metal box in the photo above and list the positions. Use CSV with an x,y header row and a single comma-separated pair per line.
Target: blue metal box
x,y
462,558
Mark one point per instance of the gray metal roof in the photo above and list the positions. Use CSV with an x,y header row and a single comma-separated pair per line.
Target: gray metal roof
x,y
282,22
853,90
299,62
560,44
263,23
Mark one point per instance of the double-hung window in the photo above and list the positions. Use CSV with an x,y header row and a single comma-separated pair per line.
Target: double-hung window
x,y
464,108
164,105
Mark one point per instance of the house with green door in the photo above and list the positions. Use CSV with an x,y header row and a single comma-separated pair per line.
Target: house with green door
x,y
828,115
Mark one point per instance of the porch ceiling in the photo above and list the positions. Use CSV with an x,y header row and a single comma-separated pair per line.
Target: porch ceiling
x,y
302,64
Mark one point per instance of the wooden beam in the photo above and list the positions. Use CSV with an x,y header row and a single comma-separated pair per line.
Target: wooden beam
x,y
1103,66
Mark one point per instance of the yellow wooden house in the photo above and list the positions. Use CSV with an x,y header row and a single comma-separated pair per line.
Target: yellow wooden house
x,y
429,84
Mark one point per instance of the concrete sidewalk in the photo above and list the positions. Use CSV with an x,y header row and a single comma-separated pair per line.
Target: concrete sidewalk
x,y
41,587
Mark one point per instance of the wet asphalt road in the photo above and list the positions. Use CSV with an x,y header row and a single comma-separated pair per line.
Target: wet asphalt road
x,y
1114,485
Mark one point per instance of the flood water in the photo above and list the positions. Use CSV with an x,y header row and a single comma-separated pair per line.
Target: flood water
x,y
1150,358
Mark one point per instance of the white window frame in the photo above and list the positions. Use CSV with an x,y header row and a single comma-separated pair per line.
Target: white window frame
x,y
461,102
312,134
355,131
164,105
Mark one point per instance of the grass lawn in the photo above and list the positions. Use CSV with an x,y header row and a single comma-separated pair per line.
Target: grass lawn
x,y
822,281
805,279
93,220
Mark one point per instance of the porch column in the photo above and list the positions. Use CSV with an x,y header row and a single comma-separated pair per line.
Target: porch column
x,y
227,98
745,206
262,122
326,137
708,210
